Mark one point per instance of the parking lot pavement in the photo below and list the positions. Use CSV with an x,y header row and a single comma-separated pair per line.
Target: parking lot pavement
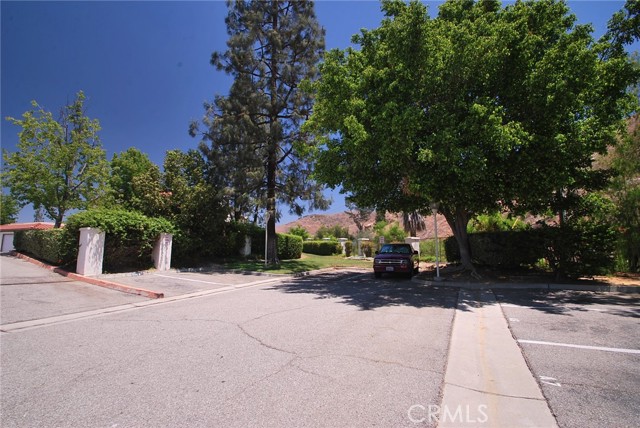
x,y
29,292
584,348
173,283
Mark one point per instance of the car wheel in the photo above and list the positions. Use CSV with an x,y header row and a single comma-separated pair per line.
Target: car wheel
x,y
378,274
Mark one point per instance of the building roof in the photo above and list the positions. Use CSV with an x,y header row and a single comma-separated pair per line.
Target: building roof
x,y
13,227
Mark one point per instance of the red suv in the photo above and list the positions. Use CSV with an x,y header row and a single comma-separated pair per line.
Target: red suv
x,y
396,258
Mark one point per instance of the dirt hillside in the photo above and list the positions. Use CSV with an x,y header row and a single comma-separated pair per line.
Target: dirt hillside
x,y
311,223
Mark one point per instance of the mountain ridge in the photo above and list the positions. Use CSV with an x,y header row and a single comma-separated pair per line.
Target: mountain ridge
x,y
312,222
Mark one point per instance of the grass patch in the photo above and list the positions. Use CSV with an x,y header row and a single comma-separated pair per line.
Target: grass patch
x,y
307,263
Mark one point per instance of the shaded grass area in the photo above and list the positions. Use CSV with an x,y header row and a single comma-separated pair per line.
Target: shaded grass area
x,y
307,263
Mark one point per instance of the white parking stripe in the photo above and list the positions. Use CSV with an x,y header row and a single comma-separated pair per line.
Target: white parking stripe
x,y
569,345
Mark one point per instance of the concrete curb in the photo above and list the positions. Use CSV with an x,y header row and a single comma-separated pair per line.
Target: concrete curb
x,y
93,281
487,381
528,286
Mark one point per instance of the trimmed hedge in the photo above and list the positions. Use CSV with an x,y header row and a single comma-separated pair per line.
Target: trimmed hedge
x,y
499,249
368,248
129,241
322,248
580,249
348,248
289,246
46,245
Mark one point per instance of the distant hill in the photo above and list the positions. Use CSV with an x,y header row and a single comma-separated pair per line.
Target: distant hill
x,y
311,223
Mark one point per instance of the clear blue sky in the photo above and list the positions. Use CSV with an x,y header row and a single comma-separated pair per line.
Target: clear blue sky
x,y
144,66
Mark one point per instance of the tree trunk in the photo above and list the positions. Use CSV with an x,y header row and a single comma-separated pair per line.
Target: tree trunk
x,y
272,247
272,155
58,219
458,222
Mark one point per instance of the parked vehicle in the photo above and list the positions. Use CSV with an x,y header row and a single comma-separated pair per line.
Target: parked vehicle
x,y
396,258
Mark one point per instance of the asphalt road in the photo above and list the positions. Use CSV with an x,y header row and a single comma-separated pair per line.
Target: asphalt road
x,y
326,350
334,349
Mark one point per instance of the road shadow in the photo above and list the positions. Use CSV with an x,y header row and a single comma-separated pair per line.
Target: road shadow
x,y
564,302
368,293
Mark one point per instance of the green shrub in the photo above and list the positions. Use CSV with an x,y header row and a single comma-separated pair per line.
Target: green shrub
x,y
451,249
505,249
367,248
129,241
579,248
585,242
45,245
496,223
428,250
335,232
499,249
322,248
299,231
289,246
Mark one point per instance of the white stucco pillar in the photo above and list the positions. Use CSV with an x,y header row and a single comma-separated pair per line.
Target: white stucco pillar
x,y
343,244
245,251
162,252
90,251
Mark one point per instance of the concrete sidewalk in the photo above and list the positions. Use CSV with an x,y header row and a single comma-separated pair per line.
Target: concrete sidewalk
x,y
487,381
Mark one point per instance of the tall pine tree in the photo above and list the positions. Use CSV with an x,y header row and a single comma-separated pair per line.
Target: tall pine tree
x,y
252,137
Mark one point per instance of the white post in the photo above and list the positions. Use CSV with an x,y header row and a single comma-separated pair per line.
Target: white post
x,y
90,251
162,252
343,244
246,250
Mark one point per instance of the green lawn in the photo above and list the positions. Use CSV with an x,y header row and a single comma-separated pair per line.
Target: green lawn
x,y
306,263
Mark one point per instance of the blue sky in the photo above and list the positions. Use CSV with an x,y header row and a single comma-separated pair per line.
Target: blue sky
x,y
144,66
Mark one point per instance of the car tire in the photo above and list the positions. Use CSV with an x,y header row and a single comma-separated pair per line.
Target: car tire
x,y
378,274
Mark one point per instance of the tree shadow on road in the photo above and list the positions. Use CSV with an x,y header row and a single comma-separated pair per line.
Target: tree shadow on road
x,y
367,293
564,302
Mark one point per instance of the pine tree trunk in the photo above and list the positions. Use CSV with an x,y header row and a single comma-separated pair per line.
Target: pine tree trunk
x,y
272,247
272,161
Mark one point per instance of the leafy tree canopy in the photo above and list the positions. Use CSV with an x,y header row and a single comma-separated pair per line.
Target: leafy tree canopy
x,y
60,164
124,168
9,209
479,109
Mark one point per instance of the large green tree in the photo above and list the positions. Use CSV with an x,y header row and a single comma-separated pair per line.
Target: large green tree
x,y
60,164
479,109
125,167
255,131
